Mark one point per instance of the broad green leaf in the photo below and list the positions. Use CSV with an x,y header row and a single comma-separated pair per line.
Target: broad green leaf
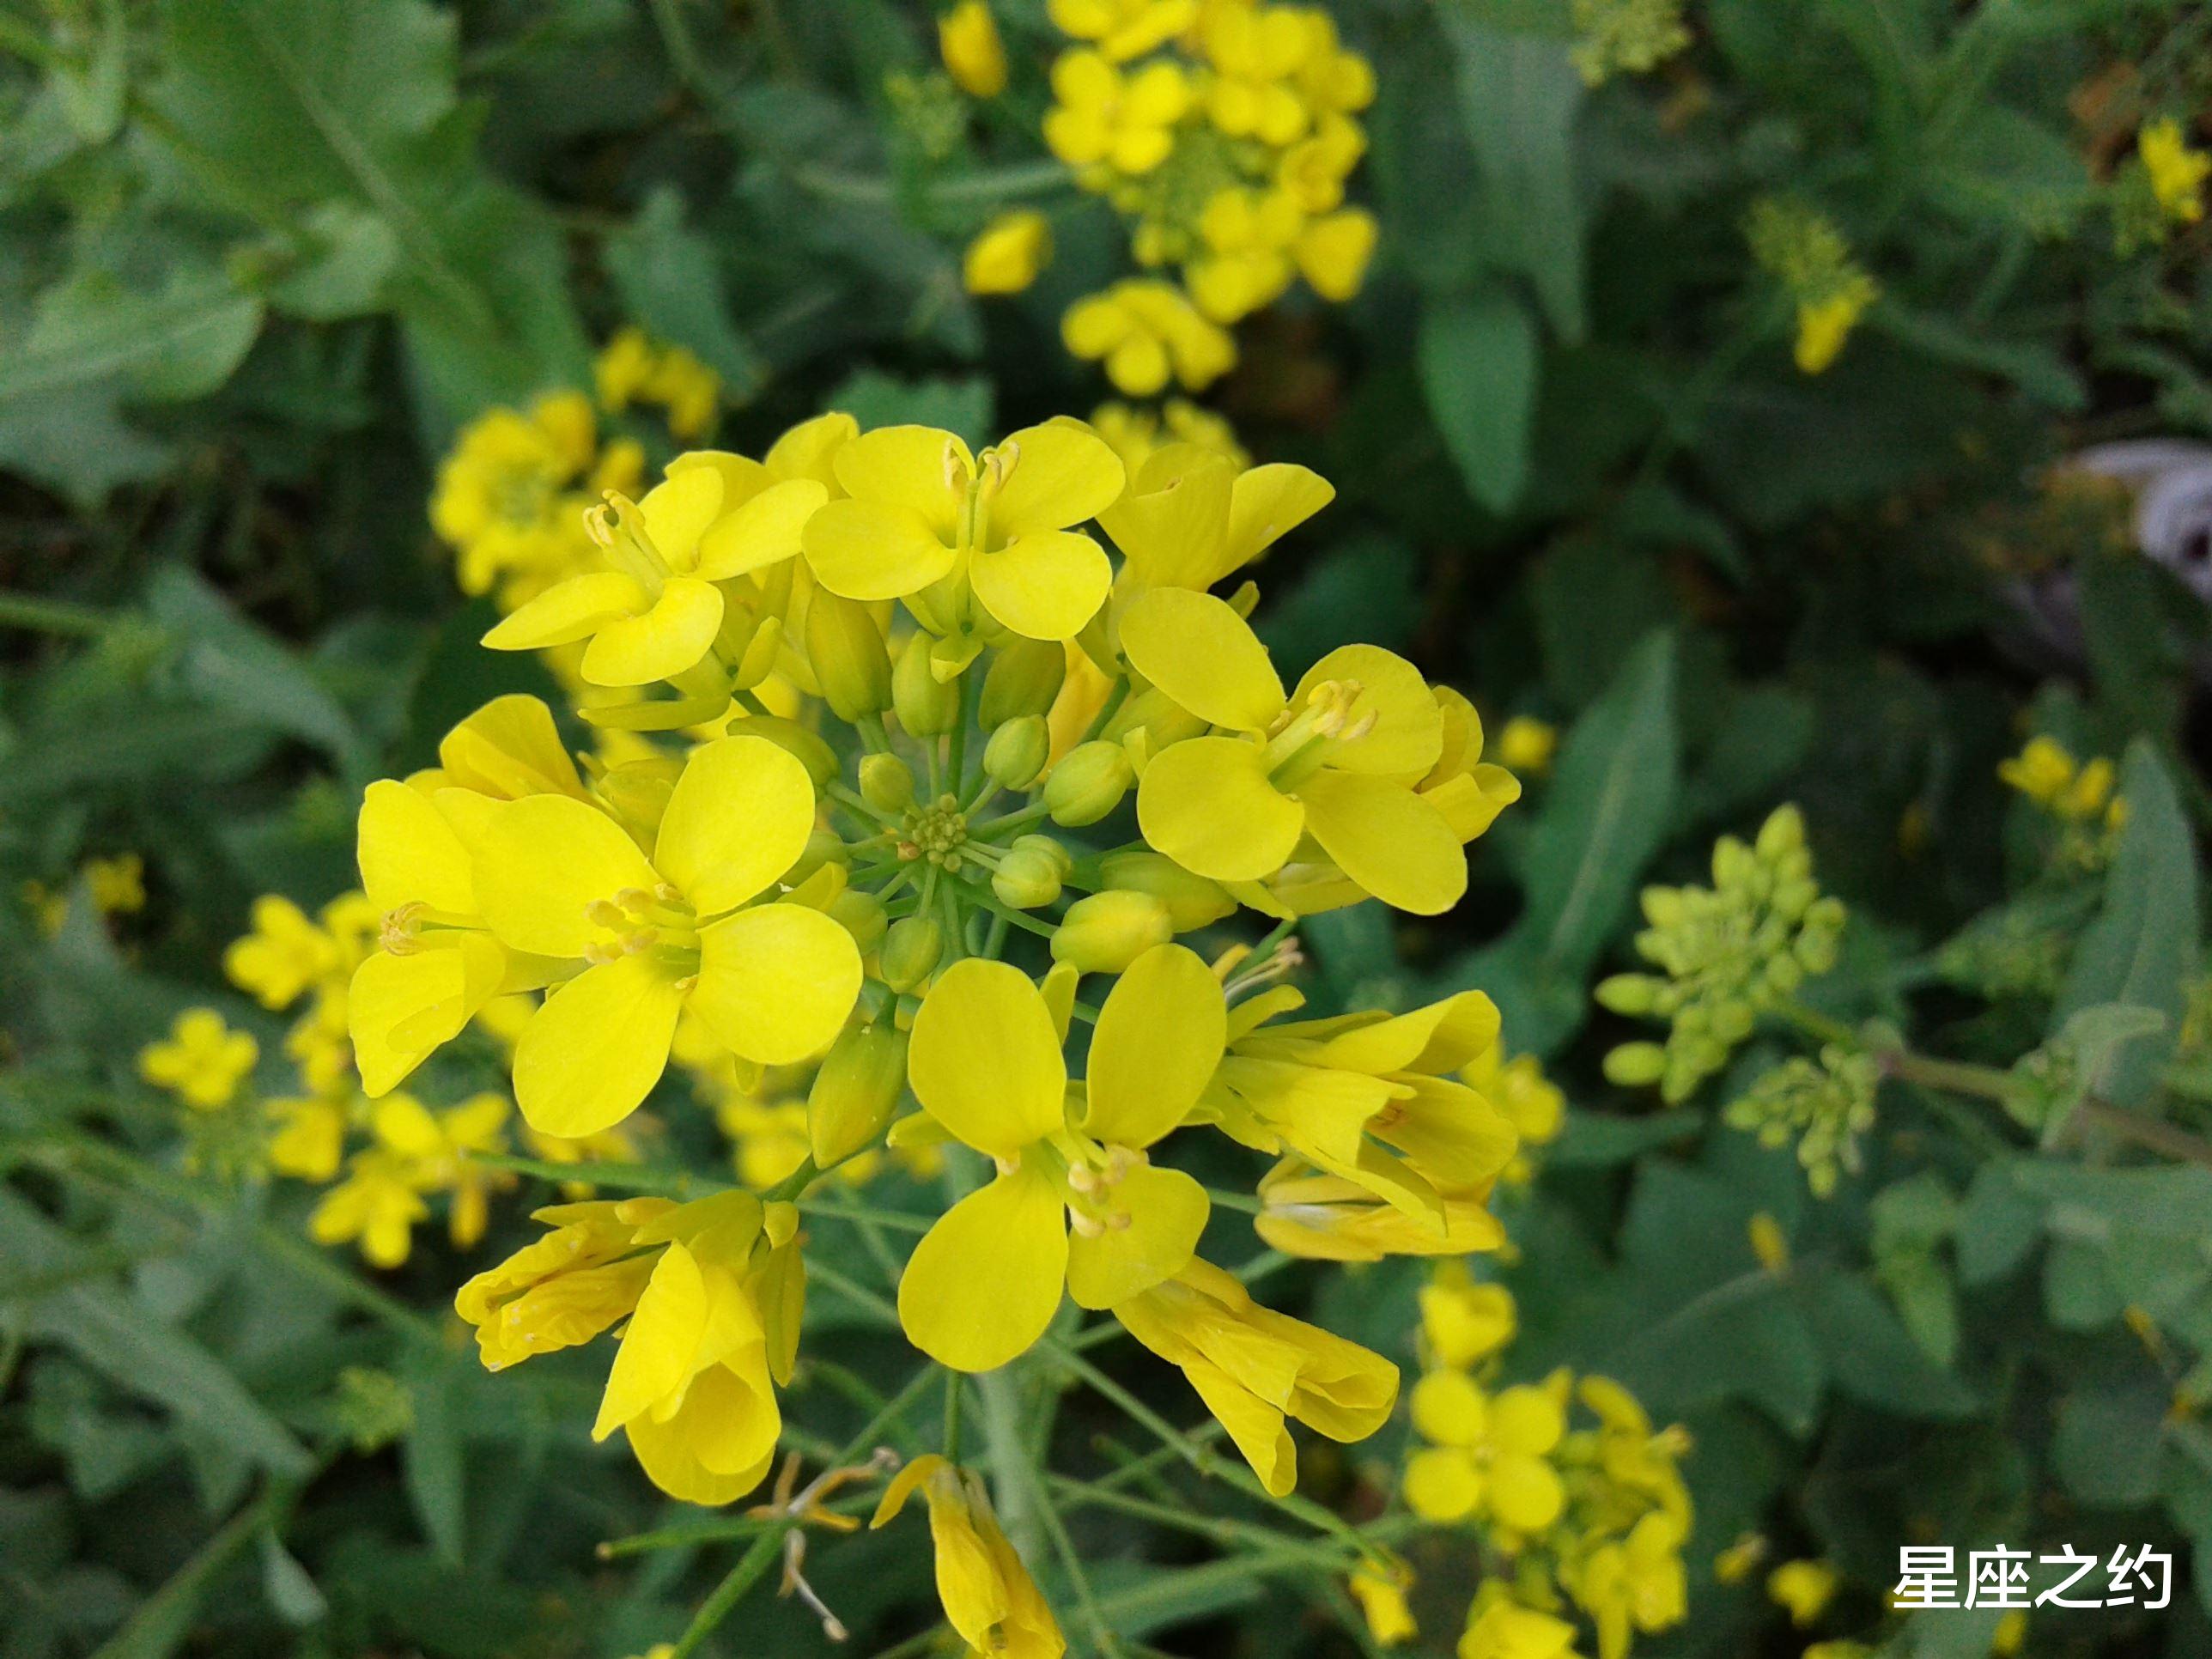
x,y
431,1460
90,331
352,253
2143,946
2109,1440
2038,370
1869,1355
231,665
966,405
1478,358
672,287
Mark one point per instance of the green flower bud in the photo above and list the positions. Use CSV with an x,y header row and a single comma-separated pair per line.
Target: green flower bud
x,y
861,915
846,650
1017,751
886,783
808,747
1193,901
928,707
1026,878
1635,1064
856,1091
1063,861
1628,993
910,951
1025,679
1162,720
1089,782
822,847
1783,832
1107,931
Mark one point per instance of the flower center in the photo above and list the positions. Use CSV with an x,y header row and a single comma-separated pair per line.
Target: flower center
x,y
1300,741
937,833
660,924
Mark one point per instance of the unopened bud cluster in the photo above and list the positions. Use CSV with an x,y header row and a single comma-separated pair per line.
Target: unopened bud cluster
x,y
1824,1108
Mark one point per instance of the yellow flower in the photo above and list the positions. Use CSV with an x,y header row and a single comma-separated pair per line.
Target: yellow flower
x,y
565,1288
2177,171
506,495
118,885
1735,1563
1122,29
1463,1321
202,1062
1334,251
1254,1367
1248,237
1823,324
439,1147
1193,516
1804,1588
1255,51
926,512
1769,1243
376,1205
1137,434
2010,1636
974,56
1105,115
1491,1454
1334,760
623,369
1007,255
1383,1603
655,937
989,1597
1146,333
1527,745
1638,1583
985,1061
307,1138
1326,1217
689,390
1498,1627
284,955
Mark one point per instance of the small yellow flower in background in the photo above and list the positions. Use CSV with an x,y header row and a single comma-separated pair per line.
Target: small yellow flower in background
x,y
284,955
413,1152
1382,1604
2010,1636
1136,434
1007,254
1122,29
1525,745
1638,1583
1625,36
1806,251
1769,1243
633,369
1463,1322
1107,116
203,1060
307,1139
511,492
2042,770
1534,1105
1499,1627
1490,1453
988,1595
974,56
1803,1589
1825,323
2177,172
1740,1559
2075,792
1839,1649
117,884
1147,334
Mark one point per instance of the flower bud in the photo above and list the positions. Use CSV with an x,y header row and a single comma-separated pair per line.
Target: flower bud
x,y
1635,1064
1628,993
1026,878
822,847
1162,720
886,784
1025,679
860,914
928,707
910,950
854,1091
1063,861
1107,931
1088,783
805,746
845,648
1193,901
1017,751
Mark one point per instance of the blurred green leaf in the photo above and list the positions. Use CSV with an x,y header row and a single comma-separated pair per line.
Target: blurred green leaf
x,y
672,287
1478,357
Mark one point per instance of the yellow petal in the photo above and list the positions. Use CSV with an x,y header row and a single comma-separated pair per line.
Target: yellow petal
x,y
809,450
677,510
765,530
1157,1043
738,818
663,1451
654,1359
509,748
1063,475
1441,1037
1171,524
1268,502
1386,838
1256,1426
775,982
869,550
410,853
1200,653
675,634
540,860
985,1060
400,1008
1407,736
1527,1419
1046,585
1206,803
1525,1492
575,610
985,1280
1167,1211
916,469
1442,1485
593,1052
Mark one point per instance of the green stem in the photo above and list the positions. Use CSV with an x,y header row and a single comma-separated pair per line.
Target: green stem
x,y
1817,1025
1013,1485
952,1391
616,1177
50,616
752,1566
1959,1077
1222,1530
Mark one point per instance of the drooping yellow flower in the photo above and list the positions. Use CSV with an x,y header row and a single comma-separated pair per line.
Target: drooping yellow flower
x,y
1008,253
974,56
1382,1604
929,521
1122,29
1336,759
1803,1589
985,1061
1106,115
988,1595
2177,171
660,937
1146,333
1254,1367
565,1288
202,1061
1326,1217
1490,1453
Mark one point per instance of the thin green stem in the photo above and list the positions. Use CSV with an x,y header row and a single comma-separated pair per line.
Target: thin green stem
x,y
1222,1530
1817,1025
616,1177
952,1396
39,615
752,1566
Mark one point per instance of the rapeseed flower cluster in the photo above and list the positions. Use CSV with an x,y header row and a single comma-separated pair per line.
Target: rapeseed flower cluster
x,y
1626,37
917,757
2079,798
1822,1107
1803,249
1583,1516
2160,190
1725,954
116,886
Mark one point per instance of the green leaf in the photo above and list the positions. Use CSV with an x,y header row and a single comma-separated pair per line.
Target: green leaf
x,y
672,287
2039,370
1869,1354
292,1594
431,1461
1478,359
354,252
91,331
230,664
2142,948
965,406
2109,1440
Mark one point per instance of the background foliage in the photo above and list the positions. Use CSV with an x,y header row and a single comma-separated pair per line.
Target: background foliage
x,y
260,261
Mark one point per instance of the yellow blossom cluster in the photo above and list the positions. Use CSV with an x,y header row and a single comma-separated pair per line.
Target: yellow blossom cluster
x,y
2080,797
916,757
1585,1517
1223,133
116,887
